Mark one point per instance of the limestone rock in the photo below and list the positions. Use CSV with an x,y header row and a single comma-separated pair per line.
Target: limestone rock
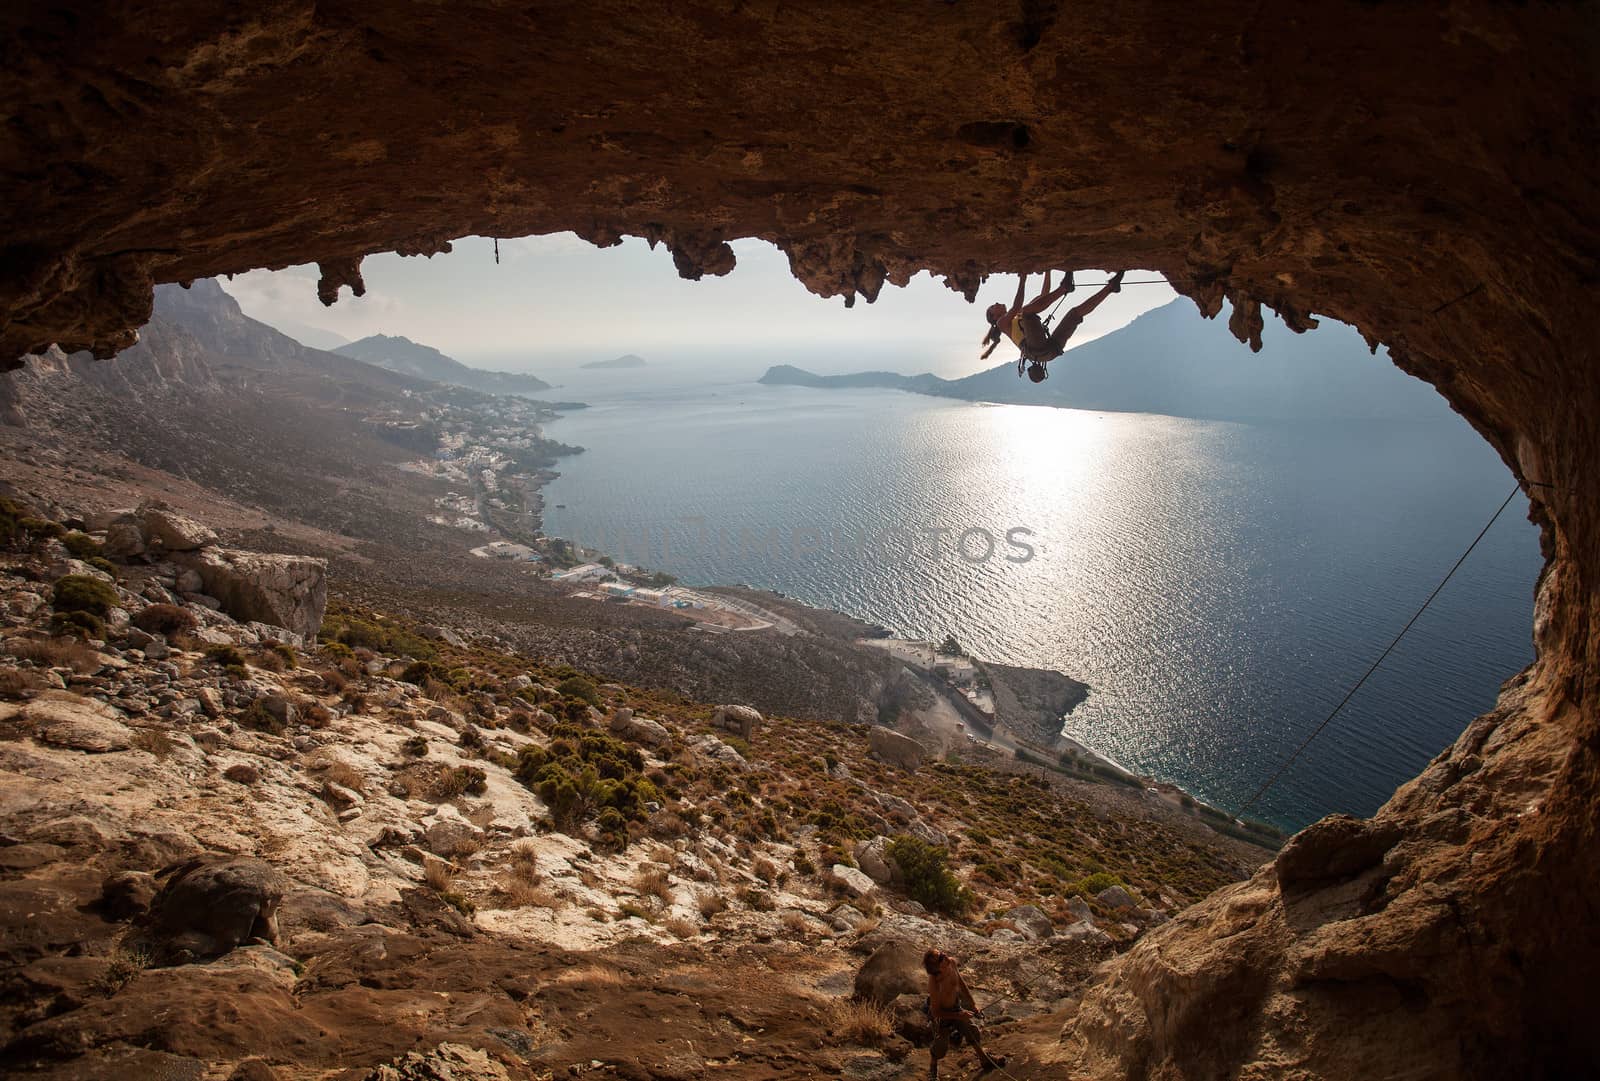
x,y
1116,897
446,1062
1339,846
740,720
873,859
859,885
1031,922
638,729
126,894
209,907
894,969
282,590
895,749
712,748
125,538
448,834
169,531
79,724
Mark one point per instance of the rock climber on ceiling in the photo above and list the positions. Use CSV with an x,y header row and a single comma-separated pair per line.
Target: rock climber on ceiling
x,y
1032,335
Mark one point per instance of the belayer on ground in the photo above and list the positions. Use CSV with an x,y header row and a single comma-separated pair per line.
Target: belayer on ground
x,y
1040,345
953,1012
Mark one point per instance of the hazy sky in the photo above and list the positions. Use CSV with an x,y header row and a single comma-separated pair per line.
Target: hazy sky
x,y
557,301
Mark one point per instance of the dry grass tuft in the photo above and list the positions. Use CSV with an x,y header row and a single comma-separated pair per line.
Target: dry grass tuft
x,y
712,902
125,966
439,876
863,1022
343,774
654,882
795,922
56,653
155,741
678,927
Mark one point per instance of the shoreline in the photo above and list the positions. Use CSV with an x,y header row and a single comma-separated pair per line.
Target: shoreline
x,y
1065,756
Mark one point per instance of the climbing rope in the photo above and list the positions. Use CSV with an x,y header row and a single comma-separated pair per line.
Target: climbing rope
x,y
1381,657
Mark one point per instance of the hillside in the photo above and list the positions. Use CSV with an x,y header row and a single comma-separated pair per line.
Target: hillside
x,y
1171,361
393,843
399,354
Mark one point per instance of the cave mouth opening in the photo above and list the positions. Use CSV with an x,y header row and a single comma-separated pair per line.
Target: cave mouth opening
x,y
1425,174
581,274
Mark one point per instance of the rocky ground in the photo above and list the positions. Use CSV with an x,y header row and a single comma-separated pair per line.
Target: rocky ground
x,y
229,850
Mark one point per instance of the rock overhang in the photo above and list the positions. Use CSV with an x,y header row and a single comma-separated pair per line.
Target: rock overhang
x,y
1426,173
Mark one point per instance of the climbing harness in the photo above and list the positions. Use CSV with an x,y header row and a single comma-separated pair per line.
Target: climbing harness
x,y
1381,657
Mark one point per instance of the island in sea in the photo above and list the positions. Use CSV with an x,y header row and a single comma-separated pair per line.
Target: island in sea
x,y
399,354
1166,361
626,360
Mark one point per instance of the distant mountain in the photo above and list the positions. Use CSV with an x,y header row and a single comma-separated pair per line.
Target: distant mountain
x,y
425,362
627,360
306,334
1171,361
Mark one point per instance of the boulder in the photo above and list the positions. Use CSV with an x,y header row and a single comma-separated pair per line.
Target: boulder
x,y
638,729
126,894
167,530
448,834
1031,921
873,859
1339,846
188,581
209,907
124,537
79,724
446,1062
859,884
712,748
280,708
894,969
1084,931
282,590
1079,908
740,720
897,750
442,634
1116,897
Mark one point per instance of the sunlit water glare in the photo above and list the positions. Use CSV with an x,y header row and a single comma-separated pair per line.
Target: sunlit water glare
x,y
1219,585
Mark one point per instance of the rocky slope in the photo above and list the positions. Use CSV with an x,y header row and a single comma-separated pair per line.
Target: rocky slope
x,y
225,856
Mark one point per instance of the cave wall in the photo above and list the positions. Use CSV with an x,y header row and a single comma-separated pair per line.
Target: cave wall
x,y
1425,172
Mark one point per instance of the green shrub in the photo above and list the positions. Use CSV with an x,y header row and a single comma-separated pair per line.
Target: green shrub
x,y
376,635
338,651
42,528
165,619
420,672
259,718
83,593
928,880
227,656
284,650
1089,885
81,624
461,781
81,545
580,688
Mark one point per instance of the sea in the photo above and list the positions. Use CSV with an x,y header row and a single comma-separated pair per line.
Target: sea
x,y
1219,585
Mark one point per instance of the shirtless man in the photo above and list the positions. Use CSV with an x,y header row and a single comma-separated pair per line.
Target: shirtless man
x,y
950,1003
1021,322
